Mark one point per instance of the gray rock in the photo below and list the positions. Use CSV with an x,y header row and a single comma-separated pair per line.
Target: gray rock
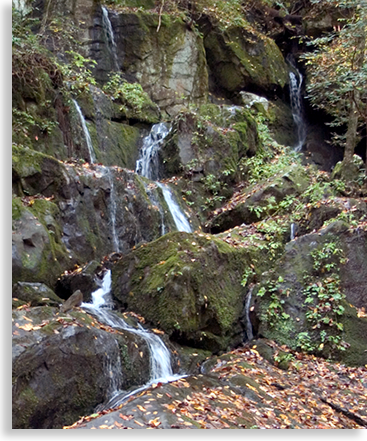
x,y
75,299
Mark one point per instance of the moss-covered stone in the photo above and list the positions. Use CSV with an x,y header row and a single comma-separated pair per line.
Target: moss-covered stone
x,y
242,59
210,141
187,284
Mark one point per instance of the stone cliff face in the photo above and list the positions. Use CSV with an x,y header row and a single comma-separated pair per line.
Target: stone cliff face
x,y
86,94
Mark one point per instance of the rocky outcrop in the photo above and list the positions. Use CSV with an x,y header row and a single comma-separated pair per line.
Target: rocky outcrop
x,y
144,43
64,366
256,202
74,214
211,140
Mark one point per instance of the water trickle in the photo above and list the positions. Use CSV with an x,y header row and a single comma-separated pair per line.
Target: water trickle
x,y
86,132
293,231
295,88
181,222
110,37
249,330
113,211
147,166
160,358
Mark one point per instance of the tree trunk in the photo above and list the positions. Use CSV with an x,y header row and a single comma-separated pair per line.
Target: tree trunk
x,y
351,136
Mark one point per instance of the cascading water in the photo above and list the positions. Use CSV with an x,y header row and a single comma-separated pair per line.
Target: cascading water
x,y
160,359
181,222
87,137
107,27
147,166
295,88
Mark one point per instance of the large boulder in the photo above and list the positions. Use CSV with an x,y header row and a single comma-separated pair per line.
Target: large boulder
x,y
65,365
189,285
260,200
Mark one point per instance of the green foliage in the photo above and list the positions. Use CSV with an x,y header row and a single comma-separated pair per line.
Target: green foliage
x,y
274,313
337,69
132,97
78,71
323,299
269,160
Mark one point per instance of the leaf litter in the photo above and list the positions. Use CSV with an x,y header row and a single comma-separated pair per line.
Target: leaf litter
x,y
244,391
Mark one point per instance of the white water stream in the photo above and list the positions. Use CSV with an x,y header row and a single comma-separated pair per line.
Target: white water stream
x,y
160,358
87,137
110,37
147,166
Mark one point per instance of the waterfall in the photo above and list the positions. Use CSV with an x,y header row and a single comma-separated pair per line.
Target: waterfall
x,y
295,87
147,166
86,132
160,358
107,27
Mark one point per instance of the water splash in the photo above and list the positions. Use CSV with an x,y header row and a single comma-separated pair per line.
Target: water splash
x,y
181,222
147,165
249,331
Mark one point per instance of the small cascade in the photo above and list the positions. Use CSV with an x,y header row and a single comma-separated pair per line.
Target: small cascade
x,y
295,88
147,166
110,37
160,358
87,137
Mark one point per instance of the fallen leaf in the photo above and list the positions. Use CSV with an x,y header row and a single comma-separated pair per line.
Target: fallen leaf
x,y
27,327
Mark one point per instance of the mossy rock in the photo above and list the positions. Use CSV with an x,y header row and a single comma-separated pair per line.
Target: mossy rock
x,y
189,285
142,51
35,294
211,141
241,59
